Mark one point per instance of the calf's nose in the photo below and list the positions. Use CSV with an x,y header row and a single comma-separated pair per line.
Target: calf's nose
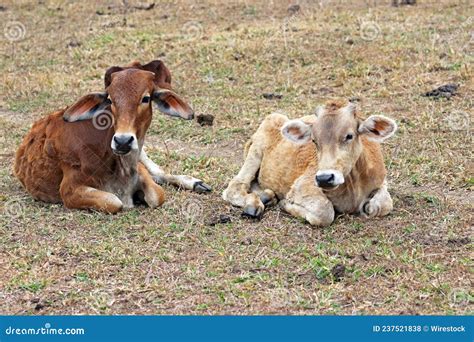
x,y
123,140
123,143
325,180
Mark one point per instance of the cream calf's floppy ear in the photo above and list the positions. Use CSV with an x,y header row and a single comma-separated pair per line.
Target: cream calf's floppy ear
x,y
378,128
296,131
86,107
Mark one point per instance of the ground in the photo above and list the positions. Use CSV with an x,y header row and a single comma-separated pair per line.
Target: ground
x,y
223,57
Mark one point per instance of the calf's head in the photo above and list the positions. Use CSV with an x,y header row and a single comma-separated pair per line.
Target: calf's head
x,y
338,132
127,104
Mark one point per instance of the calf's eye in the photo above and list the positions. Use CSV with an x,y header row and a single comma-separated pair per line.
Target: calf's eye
x,y
349,137
146,99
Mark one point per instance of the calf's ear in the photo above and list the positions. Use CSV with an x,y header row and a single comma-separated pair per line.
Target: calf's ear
x,y
171,104
162,73
108,75
296,131
86,107
378,128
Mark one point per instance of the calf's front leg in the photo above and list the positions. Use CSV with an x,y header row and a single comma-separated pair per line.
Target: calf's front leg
x,y
380,204
308,201
180,181
76,196
153,194
243,190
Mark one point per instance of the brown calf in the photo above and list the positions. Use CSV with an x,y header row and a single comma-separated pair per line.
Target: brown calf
x,y
319,164
171,104
89,155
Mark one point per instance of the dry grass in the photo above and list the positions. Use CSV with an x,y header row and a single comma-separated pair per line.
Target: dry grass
x,y
223,56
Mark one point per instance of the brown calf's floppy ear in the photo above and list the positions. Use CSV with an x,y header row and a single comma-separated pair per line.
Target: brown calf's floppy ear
x,y
171,104
296,131
86,107
167,100
378,128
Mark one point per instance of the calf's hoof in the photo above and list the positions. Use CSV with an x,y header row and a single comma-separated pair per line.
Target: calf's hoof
x,y
370,209
201,187
253,212
268,198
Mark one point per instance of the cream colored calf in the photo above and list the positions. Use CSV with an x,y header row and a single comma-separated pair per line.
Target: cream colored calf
x,y
315,166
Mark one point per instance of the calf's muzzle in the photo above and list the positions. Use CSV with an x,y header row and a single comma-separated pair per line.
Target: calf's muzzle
x,y
123,143
328,179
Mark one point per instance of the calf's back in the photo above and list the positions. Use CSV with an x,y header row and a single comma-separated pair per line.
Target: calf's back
x,y
53,144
